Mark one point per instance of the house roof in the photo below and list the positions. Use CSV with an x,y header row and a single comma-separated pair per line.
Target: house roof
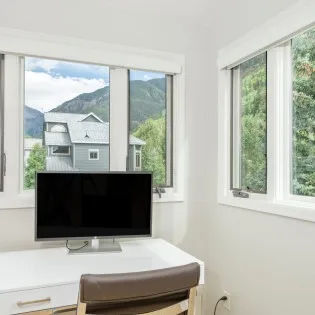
x,y
80,130
59,163
136,141
57,138
88,132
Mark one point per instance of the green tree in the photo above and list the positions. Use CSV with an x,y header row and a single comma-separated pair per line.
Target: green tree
x,y
152,131
303,162
35,162
253,124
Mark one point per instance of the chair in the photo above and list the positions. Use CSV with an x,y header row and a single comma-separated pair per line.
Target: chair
x,y
167,291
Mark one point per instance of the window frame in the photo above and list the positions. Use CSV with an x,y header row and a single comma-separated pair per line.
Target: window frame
x,y
2,154
275,38
97,151
14,43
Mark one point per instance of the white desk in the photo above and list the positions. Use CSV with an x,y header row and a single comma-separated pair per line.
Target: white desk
x,y
51,273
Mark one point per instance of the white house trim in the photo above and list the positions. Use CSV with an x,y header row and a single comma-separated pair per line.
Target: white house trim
x,y
93,115
94,151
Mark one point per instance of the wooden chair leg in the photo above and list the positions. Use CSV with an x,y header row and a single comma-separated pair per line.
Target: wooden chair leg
x,y
81,310
191,301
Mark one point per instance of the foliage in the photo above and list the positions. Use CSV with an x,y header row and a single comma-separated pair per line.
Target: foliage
x,y
303,175
35,162
253,124
152,131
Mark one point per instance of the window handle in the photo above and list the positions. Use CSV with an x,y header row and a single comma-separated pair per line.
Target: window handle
x,y
159,191
4,164
240,194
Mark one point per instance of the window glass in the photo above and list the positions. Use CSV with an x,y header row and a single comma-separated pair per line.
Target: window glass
x,y
150,124
66,113
249,125
93,155
303,114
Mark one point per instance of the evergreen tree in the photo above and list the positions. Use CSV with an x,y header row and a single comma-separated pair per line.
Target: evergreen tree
x,y
35,162
152,131
303,162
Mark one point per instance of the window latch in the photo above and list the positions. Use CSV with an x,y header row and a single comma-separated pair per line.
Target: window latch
x,y
240,194
159,191
4,164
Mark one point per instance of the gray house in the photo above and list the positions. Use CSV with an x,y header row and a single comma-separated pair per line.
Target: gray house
x,y
80,142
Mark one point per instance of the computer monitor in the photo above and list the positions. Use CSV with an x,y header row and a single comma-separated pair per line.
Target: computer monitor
x,y
92,205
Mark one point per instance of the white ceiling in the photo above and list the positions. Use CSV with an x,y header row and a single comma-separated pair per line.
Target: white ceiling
x,y
204,12
226,18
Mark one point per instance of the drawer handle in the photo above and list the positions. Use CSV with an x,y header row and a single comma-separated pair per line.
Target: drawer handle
x,y
20,303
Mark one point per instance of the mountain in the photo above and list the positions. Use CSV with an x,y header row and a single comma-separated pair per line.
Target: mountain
x,y
147,100
96,102
33,122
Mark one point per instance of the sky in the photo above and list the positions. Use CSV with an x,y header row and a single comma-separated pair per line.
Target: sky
x,y
49,83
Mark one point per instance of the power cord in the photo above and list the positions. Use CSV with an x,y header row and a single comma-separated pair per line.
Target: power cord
x,y
223,298
85,244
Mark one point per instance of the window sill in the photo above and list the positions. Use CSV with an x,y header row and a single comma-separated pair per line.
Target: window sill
x,y
26,200
168,198
287,208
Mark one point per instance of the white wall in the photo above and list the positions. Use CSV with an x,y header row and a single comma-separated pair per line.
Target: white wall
x,y
174,222
265,261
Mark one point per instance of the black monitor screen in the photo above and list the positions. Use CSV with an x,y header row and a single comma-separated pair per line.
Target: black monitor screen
x,y
78,205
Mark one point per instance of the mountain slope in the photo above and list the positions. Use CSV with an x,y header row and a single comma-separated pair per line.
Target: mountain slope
x,y
33,122
97,102
147,100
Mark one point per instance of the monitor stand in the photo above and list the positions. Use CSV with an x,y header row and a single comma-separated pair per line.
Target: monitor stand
x,y
95,247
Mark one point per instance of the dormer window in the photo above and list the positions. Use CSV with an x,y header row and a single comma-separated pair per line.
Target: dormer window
x,y
60,150
58,128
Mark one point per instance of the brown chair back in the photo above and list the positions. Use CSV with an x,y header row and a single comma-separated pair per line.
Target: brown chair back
x,y
171,290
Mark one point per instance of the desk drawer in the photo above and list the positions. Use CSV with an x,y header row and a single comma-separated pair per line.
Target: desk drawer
x,y
38,299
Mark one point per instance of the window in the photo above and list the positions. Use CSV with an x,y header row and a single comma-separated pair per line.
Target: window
x,y
93,154
150,124
66,113
61,118
267,136
60,150
138,160
249,122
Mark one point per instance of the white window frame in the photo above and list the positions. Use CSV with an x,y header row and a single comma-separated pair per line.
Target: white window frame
x,y
15,43
137,153
273,37
97,151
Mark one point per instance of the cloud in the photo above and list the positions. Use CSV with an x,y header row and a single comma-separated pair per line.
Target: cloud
x,y
145,75
67,69
44,91
39,63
